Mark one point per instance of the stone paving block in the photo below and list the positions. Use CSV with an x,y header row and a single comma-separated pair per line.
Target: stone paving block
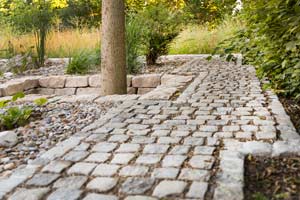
x,y
193,141
56,166
105,170
104,147
155,149
165,173
142,140
160,133
137,185
128,148
197,190
180,150
94,196
118,138
202,162
42,179
29,194
98,157
66,194
149,159
167,188
194,174
122,158
75,156
204,150
134,171
82,168
70,182
146,81
173,160
52,82
169,140
102,184
139,198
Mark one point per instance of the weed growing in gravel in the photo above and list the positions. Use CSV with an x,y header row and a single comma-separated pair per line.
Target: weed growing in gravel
x,y
15,116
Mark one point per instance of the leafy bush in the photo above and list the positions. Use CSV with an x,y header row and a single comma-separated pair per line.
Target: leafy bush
x,y
162,25
271,41
83,61
15,116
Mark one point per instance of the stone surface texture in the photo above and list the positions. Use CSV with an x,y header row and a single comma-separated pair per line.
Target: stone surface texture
x,y
189,145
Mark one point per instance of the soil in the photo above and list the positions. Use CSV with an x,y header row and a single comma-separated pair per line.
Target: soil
x,y
272,178
293,110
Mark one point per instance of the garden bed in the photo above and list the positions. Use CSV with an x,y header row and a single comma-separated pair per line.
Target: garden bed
x,y
293,110
272,178
51,123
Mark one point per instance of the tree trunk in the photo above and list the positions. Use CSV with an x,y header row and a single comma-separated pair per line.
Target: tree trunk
x,y
113,52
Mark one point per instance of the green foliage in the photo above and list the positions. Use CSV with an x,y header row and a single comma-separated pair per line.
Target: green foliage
x,y
15,116
212,11
259,196
82,62
271,41
40,101
161,25
33,16
200,39
134,33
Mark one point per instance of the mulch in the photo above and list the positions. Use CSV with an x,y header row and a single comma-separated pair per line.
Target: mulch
x,y
293,110
272,178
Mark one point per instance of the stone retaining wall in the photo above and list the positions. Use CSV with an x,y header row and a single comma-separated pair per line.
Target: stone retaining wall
x,y
79,85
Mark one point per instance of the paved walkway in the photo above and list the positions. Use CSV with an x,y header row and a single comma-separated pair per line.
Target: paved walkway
x,y
189,148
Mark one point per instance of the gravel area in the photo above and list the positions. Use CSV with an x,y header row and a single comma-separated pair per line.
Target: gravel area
x,y
56,122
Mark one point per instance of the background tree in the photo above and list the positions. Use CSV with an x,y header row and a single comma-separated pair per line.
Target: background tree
x,y
113,52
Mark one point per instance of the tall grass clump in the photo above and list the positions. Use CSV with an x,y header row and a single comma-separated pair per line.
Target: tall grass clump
x,y
200,39
59,43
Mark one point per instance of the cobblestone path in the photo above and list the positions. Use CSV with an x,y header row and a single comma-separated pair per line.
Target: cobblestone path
x,y
190,148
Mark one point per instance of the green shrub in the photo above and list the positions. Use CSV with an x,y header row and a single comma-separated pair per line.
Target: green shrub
x,y
15,116
271,41
134,33
162,25
83,61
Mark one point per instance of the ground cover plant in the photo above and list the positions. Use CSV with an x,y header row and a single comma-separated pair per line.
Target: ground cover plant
x,y
13,116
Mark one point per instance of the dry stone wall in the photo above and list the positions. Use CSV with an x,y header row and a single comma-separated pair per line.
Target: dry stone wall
x,y
86,85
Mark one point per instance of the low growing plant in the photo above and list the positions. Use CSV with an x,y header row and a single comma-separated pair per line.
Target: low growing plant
x,y
83,61
15,116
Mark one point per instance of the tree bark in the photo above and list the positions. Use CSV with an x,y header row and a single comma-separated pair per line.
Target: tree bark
x,y
113,52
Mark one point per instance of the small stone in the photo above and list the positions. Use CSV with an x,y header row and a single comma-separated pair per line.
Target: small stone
x,y
102,184
168,188
137,185
8,139
139,198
